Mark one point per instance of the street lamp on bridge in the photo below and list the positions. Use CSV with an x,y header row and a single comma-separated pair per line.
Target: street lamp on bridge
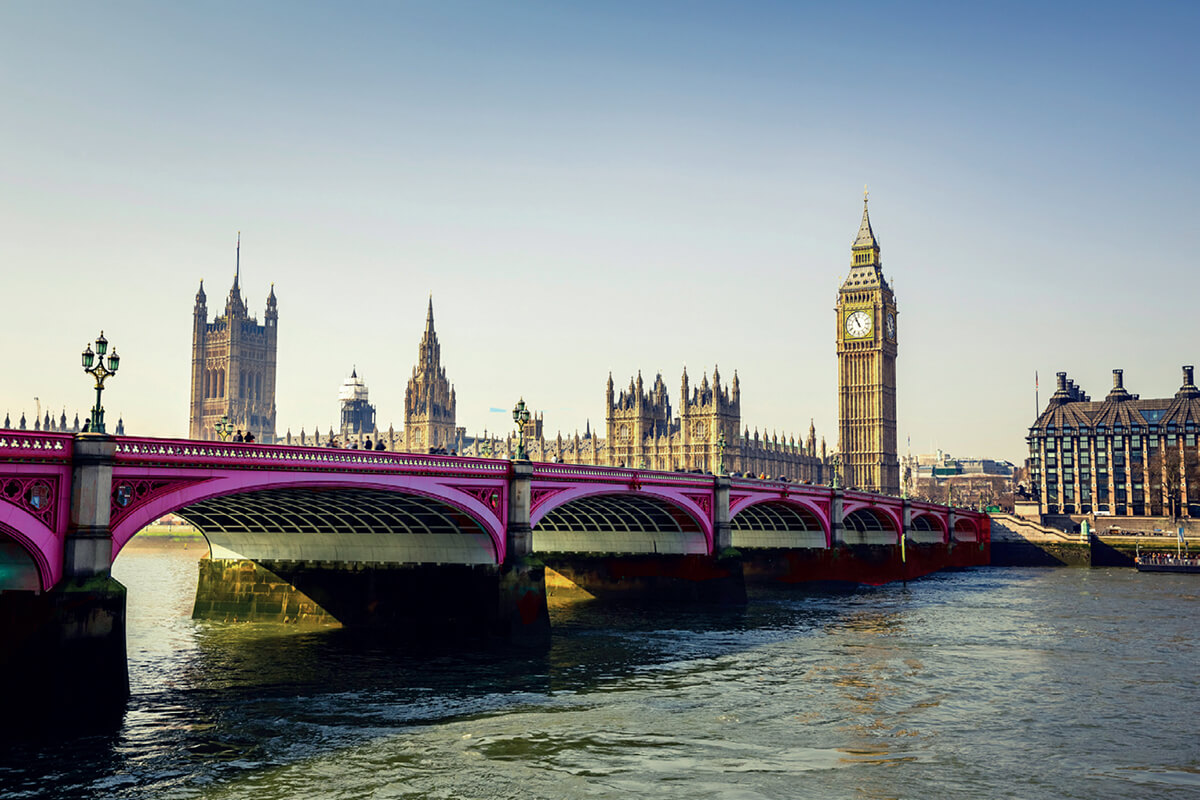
x,y
223,428
100,372
521,417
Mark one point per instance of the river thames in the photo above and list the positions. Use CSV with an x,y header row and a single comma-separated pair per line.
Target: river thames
x,y
988,683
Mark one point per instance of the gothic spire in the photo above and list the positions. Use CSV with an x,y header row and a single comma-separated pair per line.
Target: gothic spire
x,y
236,305
866,237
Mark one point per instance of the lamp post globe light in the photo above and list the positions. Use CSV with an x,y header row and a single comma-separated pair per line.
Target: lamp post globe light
x,y
223,428
521,417
100,372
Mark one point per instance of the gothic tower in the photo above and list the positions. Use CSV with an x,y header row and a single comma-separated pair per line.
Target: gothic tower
x,y
866,348
429,399
710,413
233,366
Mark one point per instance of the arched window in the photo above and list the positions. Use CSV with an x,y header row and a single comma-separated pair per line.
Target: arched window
x,y
207,384
221,383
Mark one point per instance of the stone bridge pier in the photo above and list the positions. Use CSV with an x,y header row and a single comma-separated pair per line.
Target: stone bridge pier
x,y
64,649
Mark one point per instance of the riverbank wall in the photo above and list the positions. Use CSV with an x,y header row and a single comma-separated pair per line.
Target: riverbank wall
x,y
1023,543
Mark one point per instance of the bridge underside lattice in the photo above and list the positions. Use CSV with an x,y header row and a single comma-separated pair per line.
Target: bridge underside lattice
x,y
340,525
619,523
771,525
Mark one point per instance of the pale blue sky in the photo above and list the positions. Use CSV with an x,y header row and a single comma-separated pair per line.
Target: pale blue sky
x,y
588,187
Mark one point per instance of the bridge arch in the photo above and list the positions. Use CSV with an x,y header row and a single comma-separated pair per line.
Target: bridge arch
x,y
927,527
779,523
601,520
264,515
870,525
965,530
30,553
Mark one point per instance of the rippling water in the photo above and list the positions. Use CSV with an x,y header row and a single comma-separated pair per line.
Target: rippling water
x,y
991,683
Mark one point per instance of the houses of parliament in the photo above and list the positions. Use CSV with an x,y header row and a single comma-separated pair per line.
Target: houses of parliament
x,y
233,379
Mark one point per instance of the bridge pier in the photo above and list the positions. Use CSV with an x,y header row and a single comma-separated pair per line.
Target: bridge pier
x,y
421,602
702,579
64,656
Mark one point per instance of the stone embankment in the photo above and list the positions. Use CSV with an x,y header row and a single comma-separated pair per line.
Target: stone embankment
x,y
1021,542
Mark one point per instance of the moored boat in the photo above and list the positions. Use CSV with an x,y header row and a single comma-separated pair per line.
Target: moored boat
x,y
1165,562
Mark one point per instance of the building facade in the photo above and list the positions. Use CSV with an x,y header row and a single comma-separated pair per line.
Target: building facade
x,y
644,433
233,366
429,400
866,351
942,478
1123,456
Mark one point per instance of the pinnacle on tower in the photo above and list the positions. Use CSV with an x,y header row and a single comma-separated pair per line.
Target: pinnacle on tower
x,y
866,237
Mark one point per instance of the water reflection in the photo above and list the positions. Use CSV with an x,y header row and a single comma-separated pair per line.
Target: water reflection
x,y
960,686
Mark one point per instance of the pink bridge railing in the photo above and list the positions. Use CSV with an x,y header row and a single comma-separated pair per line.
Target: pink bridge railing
x,y
40,446
589,473
224,455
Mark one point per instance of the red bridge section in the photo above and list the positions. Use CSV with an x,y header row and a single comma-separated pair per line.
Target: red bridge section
x,y
328,505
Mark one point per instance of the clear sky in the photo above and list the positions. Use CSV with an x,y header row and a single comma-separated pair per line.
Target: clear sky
x,y
586,187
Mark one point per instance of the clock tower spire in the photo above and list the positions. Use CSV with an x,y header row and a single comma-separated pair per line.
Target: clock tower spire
x,y
866,349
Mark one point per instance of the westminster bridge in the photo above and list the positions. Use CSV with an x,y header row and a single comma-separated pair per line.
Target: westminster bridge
x,y
439,546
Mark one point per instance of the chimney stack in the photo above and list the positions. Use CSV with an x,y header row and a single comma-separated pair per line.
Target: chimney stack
x,y
1118,379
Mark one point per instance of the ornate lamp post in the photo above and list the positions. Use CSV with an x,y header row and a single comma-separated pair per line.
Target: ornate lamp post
x,y
99,372
223,428
835,461
721,454
521,417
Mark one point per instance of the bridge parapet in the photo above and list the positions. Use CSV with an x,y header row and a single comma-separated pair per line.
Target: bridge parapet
x,y
588,473
189,453
25,446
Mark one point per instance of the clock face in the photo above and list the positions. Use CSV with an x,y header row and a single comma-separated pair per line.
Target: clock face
x,y
858,324
891,326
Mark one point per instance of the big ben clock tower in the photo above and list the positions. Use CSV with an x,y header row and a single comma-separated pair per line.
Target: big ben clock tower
x,y
866,348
